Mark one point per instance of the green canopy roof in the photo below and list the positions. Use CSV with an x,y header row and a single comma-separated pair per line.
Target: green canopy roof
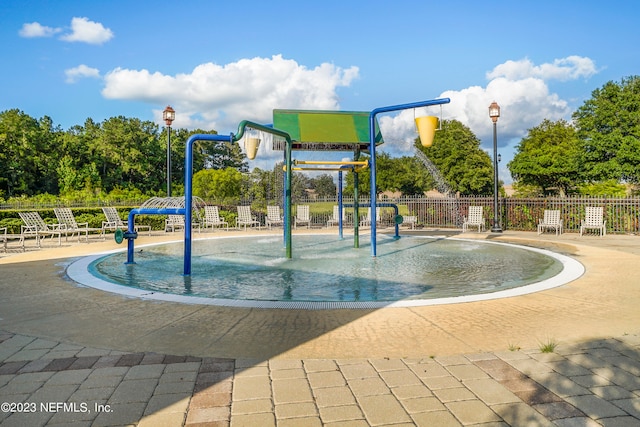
x,y
319,130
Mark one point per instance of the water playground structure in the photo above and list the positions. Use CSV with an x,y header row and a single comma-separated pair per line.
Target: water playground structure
x,y
298,130
326,273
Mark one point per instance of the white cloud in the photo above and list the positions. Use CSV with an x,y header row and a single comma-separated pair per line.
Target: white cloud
x,y
521,90
563,69
519,87
81,71
35,29
218,97
86,31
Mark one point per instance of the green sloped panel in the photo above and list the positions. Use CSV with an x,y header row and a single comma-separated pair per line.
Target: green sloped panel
x,y
289,123
335,128
326,130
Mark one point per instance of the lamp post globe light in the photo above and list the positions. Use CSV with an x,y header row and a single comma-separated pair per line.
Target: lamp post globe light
x,y
168,115
494,113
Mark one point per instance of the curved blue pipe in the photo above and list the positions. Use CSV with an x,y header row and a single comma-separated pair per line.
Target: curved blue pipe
x,y
131,227
188,178
188,189
372,151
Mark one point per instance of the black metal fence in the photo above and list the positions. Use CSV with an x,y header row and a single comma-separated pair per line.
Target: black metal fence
x,y
622,215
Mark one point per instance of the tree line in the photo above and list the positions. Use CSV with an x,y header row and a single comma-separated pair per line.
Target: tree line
x,y
597,153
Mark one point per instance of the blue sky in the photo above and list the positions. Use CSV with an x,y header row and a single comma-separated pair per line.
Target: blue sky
x,y
217,63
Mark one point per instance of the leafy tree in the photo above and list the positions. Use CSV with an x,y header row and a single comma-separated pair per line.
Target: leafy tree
x,y
404,174
457,154
71,179
256,185
219,185
216,154
323,185
28,154
548,157
300,183
124,151
610,187
609,129
408,176
77,164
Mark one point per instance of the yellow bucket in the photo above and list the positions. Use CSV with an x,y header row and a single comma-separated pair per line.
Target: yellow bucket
x,y
251,147
427,129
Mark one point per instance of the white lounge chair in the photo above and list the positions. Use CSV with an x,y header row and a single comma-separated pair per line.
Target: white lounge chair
x,y
5,237
34,226
594,220
65,216
245,218
410,221
274,217
335,219
551,220
176,222
475,219
302,216
114,222
173,223
213,219
366,220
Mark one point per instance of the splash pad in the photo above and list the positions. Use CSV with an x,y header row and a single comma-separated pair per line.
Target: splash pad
x,y
330,273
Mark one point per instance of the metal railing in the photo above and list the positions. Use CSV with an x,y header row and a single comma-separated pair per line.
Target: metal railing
x,y
622,214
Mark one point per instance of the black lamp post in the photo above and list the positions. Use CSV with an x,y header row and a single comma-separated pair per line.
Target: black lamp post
x,y
494,113
168,115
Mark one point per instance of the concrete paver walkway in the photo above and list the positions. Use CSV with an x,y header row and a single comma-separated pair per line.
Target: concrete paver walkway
x,y
76,356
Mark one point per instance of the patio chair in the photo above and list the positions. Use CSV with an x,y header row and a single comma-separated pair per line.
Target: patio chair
x,y
114,222
410,221
302,216
5,237
594,220
213,219
366,220
175,222
475,219
273,216
34,226
335,218
245,218
551,220
65,217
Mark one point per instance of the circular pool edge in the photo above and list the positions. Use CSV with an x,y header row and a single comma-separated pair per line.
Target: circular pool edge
x,y
78,271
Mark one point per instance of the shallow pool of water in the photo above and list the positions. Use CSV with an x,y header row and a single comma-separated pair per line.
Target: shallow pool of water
x,y
325,268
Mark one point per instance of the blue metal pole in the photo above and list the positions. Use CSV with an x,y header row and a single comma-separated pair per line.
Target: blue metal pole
x,y
284,205
356,211
372,151
188,191
340,205
372,189
287,197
